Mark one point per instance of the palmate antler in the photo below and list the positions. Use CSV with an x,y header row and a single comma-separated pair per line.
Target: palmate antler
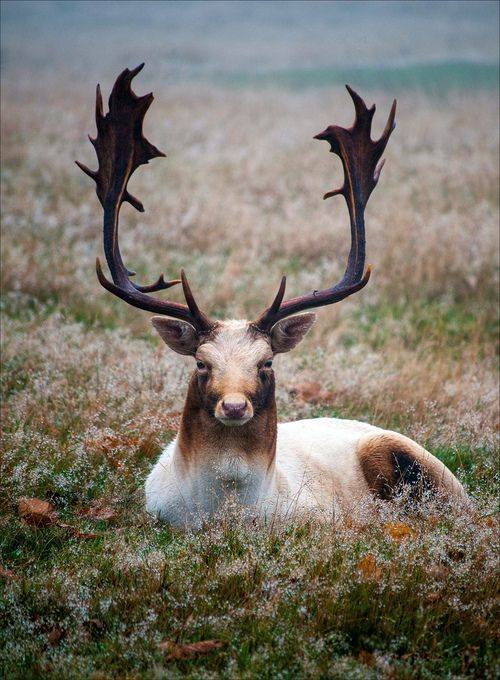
x,y
360,160
121,148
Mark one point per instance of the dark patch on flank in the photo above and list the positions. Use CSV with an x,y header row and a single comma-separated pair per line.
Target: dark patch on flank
x,y
390,468
409,473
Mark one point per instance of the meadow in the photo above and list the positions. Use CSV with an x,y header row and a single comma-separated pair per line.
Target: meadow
x,y
90,395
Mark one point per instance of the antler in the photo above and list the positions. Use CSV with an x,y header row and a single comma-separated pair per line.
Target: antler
x,y
359,156
121,148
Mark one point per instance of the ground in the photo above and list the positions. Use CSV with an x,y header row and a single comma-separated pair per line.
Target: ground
x,y
90,394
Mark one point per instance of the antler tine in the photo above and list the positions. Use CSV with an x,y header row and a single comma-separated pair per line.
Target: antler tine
x,y
198,316
121,148
159,284
360,157
364,115
390,126
266,319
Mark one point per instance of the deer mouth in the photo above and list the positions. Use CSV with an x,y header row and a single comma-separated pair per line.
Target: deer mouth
x,y
232,422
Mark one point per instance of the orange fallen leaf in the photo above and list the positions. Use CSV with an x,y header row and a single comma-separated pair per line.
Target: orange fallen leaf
x,y
176,651
42,514
433,597
432,520
369,568
83,534
37,512
399,531
490,521
55,636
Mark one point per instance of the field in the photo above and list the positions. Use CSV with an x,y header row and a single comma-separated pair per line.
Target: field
x,y
90,395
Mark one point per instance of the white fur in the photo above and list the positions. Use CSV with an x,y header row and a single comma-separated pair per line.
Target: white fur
x,y
315,467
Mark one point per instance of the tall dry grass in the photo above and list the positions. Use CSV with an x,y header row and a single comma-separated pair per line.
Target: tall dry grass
x,y
238,199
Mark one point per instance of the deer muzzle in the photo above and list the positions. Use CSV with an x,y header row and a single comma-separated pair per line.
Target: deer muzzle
x,y
234,409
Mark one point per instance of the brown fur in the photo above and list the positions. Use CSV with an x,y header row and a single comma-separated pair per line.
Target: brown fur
x,y
201,435
390,462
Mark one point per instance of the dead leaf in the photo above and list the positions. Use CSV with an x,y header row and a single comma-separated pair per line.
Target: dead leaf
x,y
99,512
433,597
37,512
367,658
76,532
432,520
399,531
490,521
84,535
369,568
55,636
176,651
42,514
310,392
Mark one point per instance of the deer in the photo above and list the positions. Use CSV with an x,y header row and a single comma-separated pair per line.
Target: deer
x,y
229,443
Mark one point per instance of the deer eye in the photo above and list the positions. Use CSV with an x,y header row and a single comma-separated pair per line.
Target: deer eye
x,y
268,363
201,366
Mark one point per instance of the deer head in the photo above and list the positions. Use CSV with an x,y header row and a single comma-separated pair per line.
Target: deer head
x,y
233,377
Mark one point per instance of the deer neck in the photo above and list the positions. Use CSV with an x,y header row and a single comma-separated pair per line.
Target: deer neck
x,y
237,456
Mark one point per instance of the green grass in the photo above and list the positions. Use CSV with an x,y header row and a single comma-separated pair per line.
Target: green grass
x,y
420,322
286,602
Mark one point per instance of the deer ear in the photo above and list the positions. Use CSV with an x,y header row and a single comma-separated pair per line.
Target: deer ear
x,y
289,332
178,335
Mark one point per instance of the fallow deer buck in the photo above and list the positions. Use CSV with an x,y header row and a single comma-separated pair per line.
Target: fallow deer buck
x,y
229,441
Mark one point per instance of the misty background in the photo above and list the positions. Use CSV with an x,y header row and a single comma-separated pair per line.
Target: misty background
x,y
293,44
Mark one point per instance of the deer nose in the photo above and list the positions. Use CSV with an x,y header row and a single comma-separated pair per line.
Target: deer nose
x,y
234,409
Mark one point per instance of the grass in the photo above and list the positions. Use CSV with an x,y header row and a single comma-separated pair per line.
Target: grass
x,y
90,396
279,609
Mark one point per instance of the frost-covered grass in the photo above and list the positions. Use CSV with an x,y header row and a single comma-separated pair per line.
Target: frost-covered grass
x,y
343,600
90,396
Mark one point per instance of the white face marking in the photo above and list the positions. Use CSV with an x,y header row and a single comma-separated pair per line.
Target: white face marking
x,y
233,360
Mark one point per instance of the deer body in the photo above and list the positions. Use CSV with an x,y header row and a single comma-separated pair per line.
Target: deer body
x,y
271,469
319,466
314,466
229,443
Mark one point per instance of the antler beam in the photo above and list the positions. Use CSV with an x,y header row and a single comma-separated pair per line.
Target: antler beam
x,y
360,157
121,148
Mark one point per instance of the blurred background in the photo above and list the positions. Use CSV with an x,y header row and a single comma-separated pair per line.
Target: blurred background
x,y
296,44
